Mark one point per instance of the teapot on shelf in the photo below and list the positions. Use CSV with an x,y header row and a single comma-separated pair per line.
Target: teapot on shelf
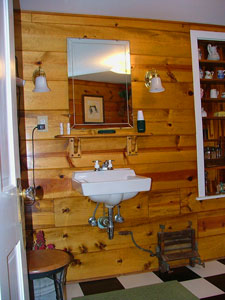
x,y
213,54
209,74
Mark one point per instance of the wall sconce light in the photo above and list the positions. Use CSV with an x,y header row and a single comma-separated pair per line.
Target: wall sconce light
x,y
153,82
39,80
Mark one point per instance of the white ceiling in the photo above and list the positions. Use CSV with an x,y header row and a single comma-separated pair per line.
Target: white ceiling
x,y
197,11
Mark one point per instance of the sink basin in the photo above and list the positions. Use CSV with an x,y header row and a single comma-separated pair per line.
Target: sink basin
x,y
110,186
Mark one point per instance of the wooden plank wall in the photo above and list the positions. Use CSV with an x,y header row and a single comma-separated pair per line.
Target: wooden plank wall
x,y
167,155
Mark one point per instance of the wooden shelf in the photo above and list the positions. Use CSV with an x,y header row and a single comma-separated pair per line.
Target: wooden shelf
x,y
218,163
211,140
212,62
74,146
217,100
110,135
212,81
213,118
210,129
214,167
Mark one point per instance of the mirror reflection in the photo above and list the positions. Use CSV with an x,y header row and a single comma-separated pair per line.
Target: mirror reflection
x,y
99,79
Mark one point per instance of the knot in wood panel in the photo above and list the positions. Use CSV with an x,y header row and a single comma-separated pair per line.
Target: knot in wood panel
x,y
177,140
187,206
203,226
149,233
76,262
100,245
147,266
65,210
172,76
83,249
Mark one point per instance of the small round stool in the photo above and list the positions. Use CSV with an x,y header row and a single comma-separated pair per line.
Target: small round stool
x,y
49,263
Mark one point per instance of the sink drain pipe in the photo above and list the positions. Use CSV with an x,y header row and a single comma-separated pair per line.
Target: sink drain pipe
x,y
139,247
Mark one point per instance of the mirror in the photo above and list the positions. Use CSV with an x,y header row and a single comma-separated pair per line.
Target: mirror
x,y
99,80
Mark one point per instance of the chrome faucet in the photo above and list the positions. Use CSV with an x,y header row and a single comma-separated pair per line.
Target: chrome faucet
x,y
107,165
97,166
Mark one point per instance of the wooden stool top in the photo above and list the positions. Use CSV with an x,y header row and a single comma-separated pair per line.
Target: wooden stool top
x,y
41,261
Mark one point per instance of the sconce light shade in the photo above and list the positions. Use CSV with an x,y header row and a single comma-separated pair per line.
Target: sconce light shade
x,y
156,85
39,80
41,85
153,82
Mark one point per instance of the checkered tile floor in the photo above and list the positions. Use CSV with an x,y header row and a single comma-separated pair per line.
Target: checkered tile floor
x,y
206,283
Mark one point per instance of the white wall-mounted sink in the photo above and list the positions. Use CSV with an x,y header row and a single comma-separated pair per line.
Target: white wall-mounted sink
x,y
110,186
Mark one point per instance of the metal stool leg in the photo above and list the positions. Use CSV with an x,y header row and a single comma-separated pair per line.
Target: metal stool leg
x,y
31,289
58,282
56,287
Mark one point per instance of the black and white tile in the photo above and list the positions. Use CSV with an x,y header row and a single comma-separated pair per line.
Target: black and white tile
x,y
206,283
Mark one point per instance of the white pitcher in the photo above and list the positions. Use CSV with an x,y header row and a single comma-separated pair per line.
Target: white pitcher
x,y
213,54
214,93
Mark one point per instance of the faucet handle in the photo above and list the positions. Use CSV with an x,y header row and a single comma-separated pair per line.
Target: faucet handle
x,y
110,166
97,167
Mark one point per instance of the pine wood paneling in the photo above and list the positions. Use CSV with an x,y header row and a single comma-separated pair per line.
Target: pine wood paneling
x,y
211,223
167,154
211,247
56,99
166,203
28,120
189,203
109,22
53,63
116,262
162,156
177,96
74,211
52,37
171,69
77,210
54,183
42,214
85,239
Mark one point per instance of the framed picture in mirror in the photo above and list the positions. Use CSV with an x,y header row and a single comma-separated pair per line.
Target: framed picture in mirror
x,y
93,109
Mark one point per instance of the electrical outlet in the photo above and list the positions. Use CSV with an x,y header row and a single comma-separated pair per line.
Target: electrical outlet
x,y
43,120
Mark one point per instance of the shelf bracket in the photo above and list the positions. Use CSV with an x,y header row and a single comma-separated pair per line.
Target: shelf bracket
x,y
74,147
132,148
